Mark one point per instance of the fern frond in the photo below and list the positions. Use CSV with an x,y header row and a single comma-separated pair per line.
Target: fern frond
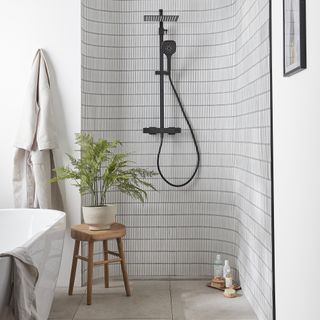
x,y
100,168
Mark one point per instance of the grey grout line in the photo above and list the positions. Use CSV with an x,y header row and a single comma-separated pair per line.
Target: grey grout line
x,y
171,299
82,294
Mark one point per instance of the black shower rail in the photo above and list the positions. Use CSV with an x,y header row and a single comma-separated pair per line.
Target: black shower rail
x,y
168,48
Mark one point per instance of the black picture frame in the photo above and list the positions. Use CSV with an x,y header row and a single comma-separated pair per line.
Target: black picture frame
x,y
273,238
294,37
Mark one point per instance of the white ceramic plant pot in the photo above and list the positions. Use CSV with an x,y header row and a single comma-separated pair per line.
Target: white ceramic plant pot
x,y
103,215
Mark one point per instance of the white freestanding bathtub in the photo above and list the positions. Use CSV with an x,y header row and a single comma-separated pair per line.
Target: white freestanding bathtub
x,y
41,232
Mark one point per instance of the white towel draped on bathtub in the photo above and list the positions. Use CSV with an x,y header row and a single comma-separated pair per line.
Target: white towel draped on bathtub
x,y
36,138
25,275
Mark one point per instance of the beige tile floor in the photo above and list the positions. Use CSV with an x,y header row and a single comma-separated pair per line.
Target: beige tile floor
x,y
156,300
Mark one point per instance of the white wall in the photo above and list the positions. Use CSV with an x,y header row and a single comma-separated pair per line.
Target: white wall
x,y
297,175
53,25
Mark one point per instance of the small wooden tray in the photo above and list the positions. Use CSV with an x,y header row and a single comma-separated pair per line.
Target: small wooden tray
x,y
99,227
235,287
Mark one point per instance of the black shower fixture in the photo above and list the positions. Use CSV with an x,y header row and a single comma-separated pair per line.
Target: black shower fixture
x,y
168,48
160,17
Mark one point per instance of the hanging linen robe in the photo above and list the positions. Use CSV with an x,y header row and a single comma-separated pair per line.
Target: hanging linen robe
x,y
36,138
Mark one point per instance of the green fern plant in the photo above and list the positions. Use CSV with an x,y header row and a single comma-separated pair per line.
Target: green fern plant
x,y
100,169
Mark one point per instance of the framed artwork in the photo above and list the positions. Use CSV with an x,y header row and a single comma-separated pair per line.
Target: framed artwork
x,y
294,36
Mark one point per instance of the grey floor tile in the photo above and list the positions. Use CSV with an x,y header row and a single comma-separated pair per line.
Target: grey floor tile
x,y
64,306
192,300
149,300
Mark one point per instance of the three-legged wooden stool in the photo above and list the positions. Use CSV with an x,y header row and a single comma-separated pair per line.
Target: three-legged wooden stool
x,y
81,232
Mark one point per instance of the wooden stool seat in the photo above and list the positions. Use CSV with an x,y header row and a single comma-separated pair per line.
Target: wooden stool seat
x,y
81,232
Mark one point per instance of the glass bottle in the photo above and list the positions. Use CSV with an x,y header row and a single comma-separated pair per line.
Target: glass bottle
x,y
226,268
218,267
228,280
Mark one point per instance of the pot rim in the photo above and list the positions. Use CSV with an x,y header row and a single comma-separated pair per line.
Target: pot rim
x,y
102,206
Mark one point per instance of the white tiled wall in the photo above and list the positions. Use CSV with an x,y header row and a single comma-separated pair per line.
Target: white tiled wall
x,y
251,99
221,70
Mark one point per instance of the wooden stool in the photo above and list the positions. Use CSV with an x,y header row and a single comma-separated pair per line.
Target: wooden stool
x,y
81,232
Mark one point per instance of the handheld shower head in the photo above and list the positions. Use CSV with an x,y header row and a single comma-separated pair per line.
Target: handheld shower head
x,y
169,48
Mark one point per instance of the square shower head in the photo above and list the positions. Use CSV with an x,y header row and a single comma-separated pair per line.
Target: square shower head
x,y
157,18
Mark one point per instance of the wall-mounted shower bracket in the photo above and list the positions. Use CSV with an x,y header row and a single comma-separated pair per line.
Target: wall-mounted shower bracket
x,y
154,130
162,31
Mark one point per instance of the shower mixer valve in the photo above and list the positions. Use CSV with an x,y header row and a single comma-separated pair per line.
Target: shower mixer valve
x,y
154,130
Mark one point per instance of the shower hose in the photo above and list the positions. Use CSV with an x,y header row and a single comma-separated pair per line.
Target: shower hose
x,y
193,138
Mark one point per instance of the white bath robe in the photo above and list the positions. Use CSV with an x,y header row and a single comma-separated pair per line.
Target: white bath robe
x,y
35,140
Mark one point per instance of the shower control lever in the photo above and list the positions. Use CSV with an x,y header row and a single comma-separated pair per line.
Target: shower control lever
x,y
154,130
161,72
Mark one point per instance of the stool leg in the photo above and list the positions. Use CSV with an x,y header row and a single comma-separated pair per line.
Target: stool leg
x,y
89,272
74,266
123,266
106,265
